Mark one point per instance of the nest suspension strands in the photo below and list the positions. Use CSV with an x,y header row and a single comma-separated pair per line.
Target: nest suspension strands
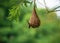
x,y
34,19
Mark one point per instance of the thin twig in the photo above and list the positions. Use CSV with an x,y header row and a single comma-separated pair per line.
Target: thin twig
x,y
46,6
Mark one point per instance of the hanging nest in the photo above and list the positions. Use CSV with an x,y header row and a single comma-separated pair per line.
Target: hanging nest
x,y
34,20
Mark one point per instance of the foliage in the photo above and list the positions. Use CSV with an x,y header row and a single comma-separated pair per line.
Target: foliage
x,y
14,12
48,32
10,3
16,30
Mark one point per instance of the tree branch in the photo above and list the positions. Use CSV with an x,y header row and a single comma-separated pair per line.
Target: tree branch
x,y
54,9
57,10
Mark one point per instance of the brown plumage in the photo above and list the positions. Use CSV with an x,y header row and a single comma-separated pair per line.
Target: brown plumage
x,y
34,20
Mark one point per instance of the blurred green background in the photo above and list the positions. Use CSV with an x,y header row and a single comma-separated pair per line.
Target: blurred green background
x,y
14,17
